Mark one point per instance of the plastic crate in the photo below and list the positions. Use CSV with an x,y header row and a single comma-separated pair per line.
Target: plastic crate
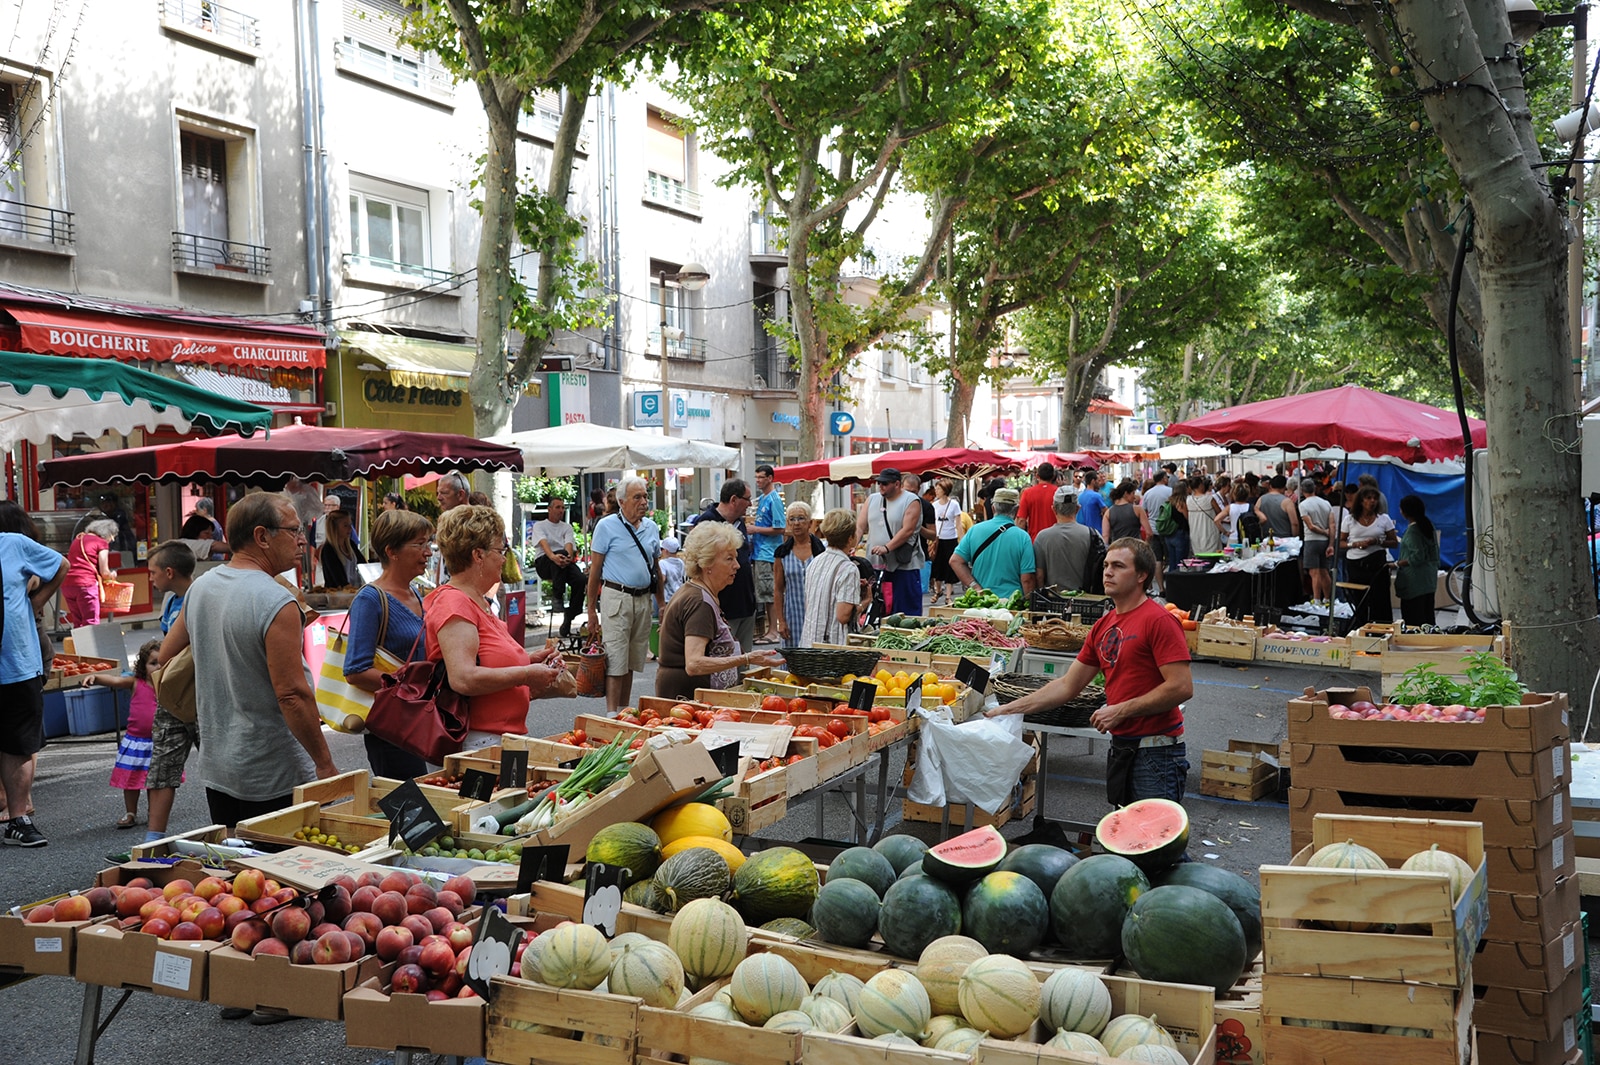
x,y
91,711
55,714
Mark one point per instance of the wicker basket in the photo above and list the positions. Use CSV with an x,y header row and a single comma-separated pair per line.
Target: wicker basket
x,y
1054,636
1008,687
1075,713
829,663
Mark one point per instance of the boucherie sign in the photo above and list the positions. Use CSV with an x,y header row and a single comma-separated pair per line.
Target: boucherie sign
x,y
133,339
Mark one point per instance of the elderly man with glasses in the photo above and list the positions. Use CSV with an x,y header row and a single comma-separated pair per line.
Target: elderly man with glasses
x,y
623,579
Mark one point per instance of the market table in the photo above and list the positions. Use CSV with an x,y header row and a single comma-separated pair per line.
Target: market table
x,y
1239,592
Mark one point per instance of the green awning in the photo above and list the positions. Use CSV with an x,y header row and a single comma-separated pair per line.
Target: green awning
x,y
48,395
416,363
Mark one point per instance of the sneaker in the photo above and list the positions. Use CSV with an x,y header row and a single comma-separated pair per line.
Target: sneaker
x,y
20,832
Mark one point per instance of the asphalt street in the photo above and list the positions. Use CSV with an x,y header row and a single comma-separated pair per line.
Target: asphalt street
x,y
77,810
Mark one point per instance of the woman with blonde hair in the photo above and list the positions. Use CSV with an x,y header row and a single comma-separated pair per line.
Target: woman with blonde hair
x,y
698,649
793,557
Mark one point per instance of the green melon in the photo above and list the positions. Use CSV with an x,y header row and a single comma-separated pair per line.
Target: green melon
x,y
894,1000
1238,893
866,865
896,1039
1090,902
967,857
916,911
777,882
1183,935
1131,1030
790,926
940,966
1039,862
627,844
1151,833
901,850
1075,1000
624,940
846,912
1000,995
697,873
649,894
1007,913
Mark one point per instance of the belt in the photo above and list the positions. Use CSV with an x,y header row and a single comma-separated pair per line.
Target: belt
x,y
624,589
1167,740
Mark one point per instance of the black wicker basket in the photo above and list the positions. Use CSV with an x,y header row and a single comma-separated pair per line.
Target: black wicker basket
x,y
1008,687
1076,712
1059,604
828,663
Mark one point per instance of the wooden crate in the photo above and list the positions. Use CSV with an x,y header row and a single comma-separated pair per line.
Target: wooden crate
x,y
1246,771
1024,806
57,679
1238,1016
517,1007
1465,771
1332,653
1372,638
1443,1011
1294,896
1187,1013
1233,643
1538,723
1447,654
355,795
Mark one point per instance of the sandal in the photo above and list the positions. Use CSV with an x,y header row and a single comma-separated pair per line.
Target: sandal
x,y
127,821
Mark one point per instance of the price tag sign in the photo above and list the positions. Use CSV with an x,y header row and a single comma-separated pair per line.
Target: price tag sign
x,y
513,769
726,758
478,785
171,970
602,896
862,695
411,817
571,763
914,694
493,950
542,863
972,675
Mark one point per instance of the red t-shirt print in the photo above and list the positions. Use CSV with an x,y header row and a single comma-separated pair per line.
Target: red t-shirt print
x,y
1130,650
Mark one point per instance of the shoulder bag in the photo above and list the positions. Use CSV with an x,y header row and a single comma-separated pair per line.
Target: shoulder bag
x,y
342,706
649,563
906,553
416,710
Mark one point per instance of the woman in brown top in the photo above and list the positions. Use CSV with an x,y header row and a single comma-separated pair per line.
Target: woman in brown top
x,y
698,649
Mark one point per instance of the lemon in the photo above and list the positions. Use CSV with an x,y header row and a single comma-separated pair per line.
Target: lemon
x,y
930,677
884,675
848,678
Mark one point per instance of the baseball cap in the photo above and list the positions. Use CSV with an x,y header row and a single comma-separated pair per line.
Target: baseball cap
x,y
889,476
1006,495
1067,494
670,545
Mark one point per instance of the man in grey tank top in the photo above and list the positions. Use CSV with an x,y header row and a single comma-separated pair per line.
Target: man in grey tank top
x,y
253,694
1277,516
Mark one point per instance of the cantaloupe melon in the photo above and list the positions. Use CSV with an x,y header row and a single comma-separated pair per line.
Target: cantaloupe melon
x,y
1000,995
1075,1000
709,937
940,968
765,984
893,1001
574,956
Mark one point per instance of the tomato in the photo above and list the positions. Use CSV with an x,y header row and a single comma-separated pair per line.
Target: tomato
x,y
826,739
793,758
725,714
775,704
839,727
842,708
879,713
798,706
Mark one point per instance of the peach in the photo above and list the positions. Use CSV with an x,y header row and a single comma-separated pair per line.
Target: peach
x,y
250,884
332,949
398,881
211,887
437,958
371,878
437,996
459,935
304,952
440,918
165,913
362,898
264,905
247,933
270,946
43,913
452,902
211,922
391,941
337,907
228,905
390,907
315,909
148,910
462,959
466,992
409,980
358,945
420,926
101,901
157,927
345,881
450,983
462,887
290,924
364,925
141,882
421,898
177,887
410,955
284,895
193,908
236,918
187,930
318,931
131,901
270,886
74,908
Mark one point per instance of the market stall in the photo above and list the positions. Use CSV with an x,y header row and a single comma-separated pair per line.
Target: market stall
x,y
956,462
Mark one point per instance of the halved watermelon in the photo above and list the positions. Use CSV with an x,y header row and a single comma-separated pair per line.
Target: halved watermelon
x,y
1150,833
968,857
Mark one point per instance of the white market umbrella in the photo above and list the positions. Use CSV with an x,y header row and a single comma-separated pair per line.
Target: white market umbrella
x,y
583,447
1190,452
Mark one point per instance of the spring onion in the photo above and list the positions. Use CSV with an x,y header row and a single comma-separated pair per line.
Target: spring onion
x,y
596,771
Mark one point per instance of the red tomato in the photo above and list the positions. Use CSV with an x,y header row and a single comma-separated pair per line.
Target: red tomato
x,y
775,704
879,713
798,706
839,728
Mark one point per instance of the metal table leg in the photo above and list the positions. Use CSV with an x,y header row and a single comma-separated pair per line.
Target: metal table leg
x,y
883,796
88,1025
1044,779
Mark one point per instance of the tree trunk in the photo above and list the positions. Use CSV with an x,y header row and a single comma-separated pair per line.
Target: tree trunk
x,y
962,392
491,399
1541,565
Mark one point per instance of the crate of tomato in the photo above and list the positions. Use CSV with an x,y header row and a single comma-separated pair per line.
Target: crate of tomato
x,y
70,671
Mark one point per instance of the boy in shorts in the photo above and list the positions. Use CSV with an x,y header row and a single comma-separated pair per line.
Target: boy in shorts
x,y
171,573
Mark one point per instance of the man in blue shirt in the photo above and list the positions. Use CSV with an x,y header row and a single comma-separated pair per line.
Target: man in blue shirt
x,y
623,578
22,563
997,555
1091,503
766,534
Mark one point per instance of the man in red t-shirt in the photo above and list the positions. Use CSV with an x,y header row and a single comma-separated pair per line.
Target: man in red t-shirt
x,y
1036,510
1142,651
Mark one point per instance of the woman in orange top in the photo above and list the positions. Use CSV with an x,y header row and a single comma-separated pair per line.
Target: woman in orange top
x,y
483,662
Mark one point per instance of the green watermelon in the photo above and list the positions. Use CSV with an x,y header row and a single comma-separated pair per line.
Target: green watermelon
x,y
866,865
627,844
1041,863
901,850
846,912
1007,913
916,911
1184,935
914,869
1240,895
1089,904
1152,833
967,858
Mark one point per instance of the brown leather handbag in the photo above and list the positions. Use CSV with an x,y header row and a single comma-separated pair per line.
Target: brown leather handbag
x,y
416,710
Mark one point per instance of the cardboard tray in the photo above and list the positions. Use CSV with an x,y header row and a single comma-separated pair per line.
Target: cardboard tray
x,y
1495,773
1537,724
373,1018
273,984
1534,918
113,958
1495,1049
1537,1015
1532,966
1293,896
41,949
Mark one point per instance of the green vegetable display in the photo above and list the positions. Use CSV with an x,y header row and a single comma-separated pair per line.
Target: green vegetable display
x,y
973,597
1489,682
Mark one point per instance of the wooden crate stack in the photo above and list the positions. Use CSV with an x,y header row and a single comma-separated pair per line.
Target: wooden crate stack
x,y
1384,954
1245,772
1511,773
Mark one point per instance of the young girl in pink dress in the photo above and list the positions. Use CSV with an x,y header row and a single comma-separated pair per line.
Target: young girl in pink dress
x,y
133,753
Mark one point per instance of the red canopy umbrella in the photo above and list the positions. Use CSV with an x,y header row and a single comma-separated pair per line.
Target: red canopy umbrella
x,y
948,461
1061,460
309,452
1348,417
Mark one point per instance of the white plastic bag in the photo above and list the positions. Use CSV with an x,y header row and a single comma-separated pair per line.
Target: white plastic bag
x,y
976,762
927,783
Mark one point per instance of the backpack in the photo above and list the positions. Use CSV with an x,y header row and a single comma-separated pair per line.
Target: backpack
x,y
1166,520
1094,578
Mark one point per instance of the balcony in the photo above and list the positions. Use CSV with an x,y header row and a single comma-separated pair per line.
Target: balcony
x,y
196,251
679,347
409,75
369,269
228,26
774,369
35,224
670,193
767,236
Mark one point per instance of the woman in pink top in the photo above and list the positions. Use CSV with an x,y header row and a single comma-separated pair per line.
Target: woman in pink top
x,y
88,563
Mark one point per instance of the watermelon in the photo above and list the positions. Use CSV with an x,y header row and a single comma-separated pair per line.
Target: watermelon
x,y
1240,895
846,911
1152,833
866,865
966,858
914,869
1090,902
1007,913
901,850
629,845
1183,935
777,882
916,911
1041,863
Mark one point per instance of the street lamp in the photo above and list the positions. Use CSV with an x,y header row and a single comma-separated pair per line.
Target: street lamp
x,y
692,277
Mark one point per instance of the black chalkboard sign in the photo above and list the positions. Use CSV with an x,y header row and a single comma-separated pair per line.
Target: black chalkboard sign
x,y
412,818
